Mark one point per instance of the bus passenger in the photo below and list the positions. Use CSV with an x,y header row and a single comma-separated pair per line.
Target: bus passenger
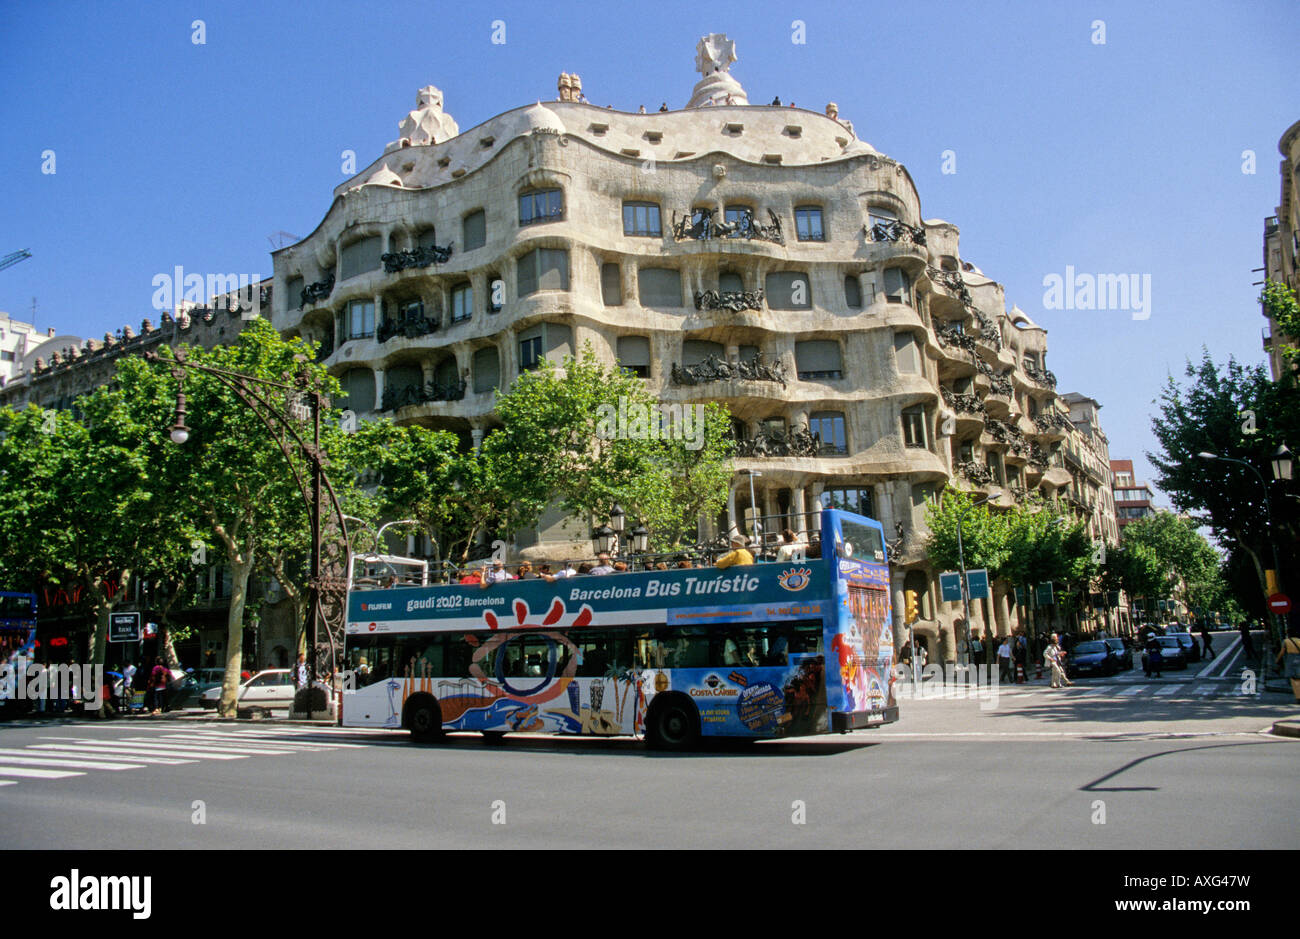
x,y
794,549
738,555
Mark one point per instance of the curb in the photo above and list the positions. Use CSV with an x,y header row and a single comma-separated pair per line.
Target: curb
x,y
1286,728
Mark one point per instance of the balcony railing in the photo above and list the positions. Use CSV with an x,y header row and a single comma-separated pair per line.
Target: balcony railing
x,y
703,225
409,329
1038,457
952,282
395,398
320,290
977,473
773,443
1052,421
895,231
395,261
714,368
1004,433
951,336
1040,376
735,301
962,403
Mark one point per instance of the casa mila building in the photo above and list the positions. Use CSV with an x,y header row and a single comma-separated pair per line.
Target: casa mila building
x,y
762,256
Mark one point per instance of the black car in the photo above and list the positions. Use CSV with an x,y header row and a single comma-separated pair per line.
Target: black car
x,y
1172,654
1091,658
1123,654
1189,644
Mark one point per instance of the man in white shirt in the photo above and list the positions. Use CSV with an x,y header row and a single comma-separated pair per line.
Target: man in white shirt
x,y
1004,660
566,571
794,549
603,567
497,574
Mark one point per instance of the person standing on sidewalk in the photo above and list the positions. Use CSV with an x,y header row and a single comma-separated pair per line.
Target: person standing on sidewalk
x,y
158,684
1289,656
1004,660
300,672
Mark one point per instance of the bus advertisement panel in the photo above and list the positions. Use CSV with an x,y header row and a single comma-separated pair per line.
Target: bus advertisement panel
x,y
674,654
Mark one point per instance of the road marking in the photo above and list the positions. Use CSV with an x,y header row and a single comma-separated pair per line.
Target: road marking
x,y
261,740
1169,689
1100,689
1204,691
37,773
200,745
8,782
158,750
1075,733
96,751
55,759
1136,689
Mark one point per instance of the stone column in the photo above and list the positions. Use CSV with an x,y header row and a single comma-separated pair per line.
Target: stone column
x,y
798,508
379,311
379,389
731,510
477,434
770,508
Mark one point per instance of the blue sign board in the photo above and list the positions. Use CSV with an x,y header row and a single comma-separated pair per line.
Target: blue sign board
x,y
977,584
950,586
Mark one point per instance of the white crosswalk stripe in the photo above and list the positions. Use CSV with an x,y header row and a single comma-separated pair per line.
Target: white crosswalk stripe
x,y
59,757
1204,691
1136,689
1169,689
1101,689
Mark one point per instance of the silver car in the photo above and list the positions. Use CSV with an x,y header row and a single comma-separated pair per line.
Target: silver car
x,y
270,690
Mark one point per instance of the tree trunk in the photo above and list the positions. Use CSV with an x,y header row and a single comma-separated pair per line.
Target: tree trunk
x,y
104,605
240,553
1000,608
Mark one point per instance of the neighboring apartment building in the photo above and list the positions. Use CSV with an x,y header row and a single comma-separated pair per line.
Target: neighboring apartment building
x,y
19,343
1133,500
758,255
1282,238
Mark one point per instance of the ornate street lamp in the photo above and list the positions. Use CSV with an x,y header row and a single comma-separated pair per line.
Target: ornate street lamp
x,y
304,399
617,519
1282,464
602,540
640,539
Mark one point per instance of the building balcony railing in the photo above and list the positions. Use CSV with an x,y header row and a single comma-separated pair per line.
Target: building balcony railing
x,y
962,403
395,398
894,231
395,261
1038,457
1040,376
1006,434
408,329
734,301
703,225
714,368
1052,422
776,443
977,473
989,331
320,290
952,282
952,336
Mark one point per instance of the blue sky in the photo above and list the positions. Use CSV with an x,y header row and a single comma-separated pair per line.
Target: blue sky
x,y
1123,157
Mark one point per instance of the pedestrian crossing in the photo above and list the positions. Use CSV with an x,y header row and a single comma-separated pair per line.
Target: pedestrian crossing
x,y
60,757
1191,689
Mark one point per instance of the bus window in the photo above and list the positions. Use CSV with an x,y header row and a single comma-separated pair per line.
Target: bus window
x,y
511,657
806,639
596,655
737,647
685,647
536,655
459,655
777,645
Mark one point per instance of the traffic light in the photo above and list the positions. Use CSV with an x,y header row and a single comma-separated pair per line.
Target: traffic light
x,y
911,614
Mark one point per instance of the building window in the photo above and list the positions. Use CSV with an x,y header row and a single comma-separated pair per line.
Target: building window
x,y
818,359
879,215
487,369
852,292
633,354
993,460
898,286
611,284
659,287
914,427
361,256
543,269
544,340
446,374
850,500
641,219
730,283
360,320
358,389
530,352
907,357
695,351
788,290
462,303
829,428
293,293
742,216
808,223
543,205
427,238
475,230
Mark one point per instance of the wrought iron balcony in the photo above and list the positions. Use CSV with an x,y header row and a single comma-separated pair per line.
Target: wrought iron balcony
x,y
952,282
1051,422
1040,376
895,231
703,225
735,301
395,261
714,368
952,336
1004,433
409,329
772,443
395,398
1038,457
962,403
989,331
1000,385
977,473
1020,493
318,291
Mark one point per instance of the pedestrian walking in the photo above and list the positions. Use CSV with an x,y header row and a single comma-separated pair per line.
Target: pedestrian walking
x,y
1247,644
1004,660
1154,657
1053,659
300,672
1209,646
158,685
1020,652
1289,656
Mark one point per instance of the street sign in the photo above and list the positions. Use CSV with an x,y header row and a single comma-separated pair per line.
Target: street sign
x,y
977,583
123,627
950,586
1280,604
1045,593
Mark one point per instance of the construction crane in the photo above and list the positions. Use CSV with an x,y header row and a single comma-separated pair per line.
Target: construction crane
x,y
9,260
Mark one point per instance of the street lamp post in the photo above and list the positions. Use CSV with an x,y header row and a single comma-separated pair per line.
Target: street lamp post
x,y
325,592
961,563
1281,471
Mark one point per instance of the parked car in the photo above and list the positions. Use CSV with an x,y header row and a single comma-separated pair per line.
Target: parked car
x,y
208,677
1123,654
1091,658
1189,643
272,689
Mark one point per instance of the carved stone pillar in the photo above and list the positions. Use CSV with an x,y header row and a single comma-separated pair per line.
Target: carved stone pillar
x,y
797,509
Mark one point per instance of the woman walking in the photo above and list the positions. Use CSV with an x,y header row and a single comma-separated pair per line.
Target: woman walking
x,y
158,684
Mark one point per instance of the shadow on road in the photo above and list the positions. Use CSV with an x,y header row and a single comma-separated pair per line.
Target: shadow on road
x,y
606,746
1095,785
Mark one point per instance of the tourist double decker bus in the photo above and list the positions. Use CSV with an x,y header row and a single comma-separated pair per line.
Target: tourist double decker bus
x,y
765,650
17,643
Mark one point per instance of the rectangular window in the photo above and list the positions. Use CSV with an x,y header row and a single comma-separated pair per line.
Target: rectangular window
x,y
462,303
634,355
6,356
530,352
544,205
808,223
543,269
611,284
850,500
361,319
659,287
361,256
293,293
818,359
788,290
906,355
641,219
914,427
487,369
475,230
898,286
852,292
742,216
829,428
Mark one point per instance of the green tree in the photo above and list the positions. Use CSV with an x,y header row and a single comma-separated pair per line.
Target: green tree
x,y
1280,303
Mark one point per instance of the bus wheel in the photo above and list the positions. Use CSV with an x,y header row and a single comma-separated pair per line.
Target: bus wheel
x,y
672,724
424,719
493,737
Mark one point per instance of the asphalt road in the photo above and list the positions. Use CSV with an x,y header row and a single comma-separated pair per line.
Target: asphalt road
x,y
1096,766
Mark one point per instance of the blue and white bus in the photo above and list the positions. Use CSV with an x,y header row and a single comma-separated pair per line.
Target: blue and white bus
x,y
765,650
17,643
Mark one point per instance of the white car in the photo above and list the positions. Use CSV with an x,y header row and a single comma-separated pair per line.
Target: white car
x,y
272,689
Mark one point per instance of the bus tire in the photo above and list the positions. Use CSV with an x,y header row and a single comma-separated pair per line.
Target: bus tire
x,y
423,718
493,737
673,723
